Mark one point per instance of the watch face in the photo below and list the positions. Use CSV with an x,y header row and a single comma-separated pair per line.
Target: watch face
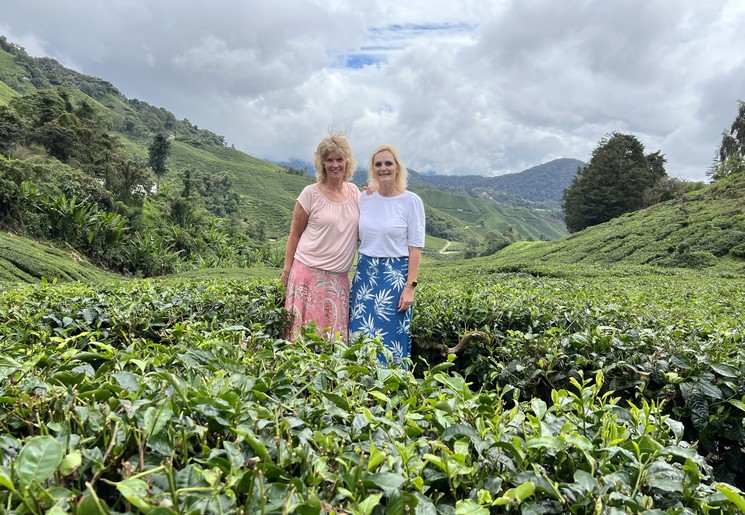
x,y
414,283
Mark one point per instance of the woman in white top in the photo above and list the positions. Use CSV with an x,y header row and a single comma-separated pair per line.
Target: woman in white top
x,y
391,233
320,248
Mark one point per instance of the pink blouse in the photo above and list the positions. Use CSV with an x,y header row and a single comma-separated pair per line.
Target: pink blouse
x,y
330,238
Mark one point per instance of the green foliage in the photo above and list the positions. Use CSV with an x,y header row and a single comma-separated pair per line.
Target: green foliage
x,y
25,261
40,203
267,195
6,93
75,133
612,183
731,151
668,188
11,129
180,396
37,182
654,336
460,218
494,241
158,152
687,231
296,171
730,165
738,251
73,207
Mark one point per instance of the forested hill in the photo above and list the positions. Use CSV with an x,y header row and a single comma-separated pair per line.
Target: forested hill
x,y
542,183
701,229
538,187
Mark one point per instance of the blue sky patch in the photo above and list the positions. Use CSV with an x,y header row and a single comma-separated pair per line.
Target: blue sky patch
x,y
362,60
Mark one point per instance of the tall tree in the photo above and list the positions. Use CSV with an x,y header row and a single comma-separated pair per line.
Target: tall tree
x,y
731,152
612,183
133,182
159,151
11,128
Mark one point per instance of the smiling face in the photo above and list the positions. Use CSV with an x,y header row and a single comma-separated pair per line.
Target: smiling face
x,y
333,155
385,164
335,165
385,169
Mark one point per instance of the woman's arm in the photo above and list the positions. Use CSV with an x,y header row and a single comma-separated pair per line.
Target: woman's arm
x,y
407,296
299,223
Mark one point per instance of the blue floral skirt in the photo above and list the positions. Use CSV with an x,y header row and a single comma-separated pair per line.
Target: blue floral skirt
x,y
376,289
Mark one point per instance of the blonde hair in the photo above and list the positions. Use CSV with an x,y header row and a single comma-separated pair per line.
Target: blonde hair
x,y
333,143
401,175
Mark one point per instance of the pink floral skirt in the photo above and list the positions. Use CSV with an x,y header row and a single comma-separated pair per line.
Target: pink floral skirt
x,y
320,296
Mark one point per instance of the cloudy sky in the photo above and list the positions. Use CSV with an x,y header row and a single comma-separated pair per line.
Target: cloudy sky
x,y
460,86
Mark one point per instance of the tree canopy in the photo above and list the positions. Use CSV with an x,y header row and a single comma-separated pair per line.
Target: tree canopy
x,y
731,151
158,153
612,183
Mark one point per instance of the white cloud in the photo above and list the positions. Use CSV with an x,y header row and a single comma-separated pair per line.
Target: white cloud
x,y
460,87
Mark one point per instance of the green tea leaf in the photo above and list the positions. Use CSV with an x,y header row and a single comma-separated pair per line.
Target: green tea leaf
x,y
127,380
470,507
38,459
735,497
585,479
524,491
366,506
460,430
156,417
386,481
550,442
5,480
135,491
539,408
338,400
725,370
71,462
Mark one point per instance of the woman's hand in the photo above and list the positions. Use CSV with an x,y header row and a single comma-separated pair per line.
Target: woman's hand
x,y
406,299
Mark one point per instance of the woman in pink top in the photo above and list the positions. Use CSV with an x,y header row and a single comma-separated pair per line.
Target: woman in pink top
x,y
322,243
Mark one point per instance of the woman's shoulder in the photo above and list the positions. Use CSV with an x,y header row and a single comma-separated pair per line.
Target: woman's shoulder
x,y
410,195
354,189
311,191
309,196
311,188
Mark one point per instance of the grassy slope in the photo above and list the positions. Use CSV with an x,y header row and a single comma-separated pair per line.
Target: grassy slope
x,y
24,260
529,223
697,230
6,93
270,193
8,68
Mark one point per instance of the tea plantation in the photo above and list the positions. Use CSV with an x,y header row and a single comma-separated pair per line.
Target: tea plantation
x,y
575,390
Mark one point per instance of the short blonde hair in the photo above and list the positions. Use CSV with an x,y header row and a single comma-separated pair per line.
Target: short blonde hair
x,y
334,143
401,176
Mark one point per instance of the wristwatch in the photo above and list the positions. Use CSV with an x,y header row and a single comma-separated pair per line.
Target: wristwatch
x,y
413,284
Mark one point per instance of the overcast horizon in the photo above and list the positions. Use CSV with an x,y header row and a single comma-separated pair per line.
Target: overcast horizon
x,y
469,87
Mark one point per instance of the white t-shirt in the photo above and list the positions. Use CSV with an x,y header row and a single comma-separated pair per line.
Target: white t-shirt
x,y
390,225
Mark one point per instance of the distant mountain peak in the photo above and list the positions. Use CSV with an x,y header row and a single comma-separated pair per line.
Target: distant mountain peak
x,y
542,183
